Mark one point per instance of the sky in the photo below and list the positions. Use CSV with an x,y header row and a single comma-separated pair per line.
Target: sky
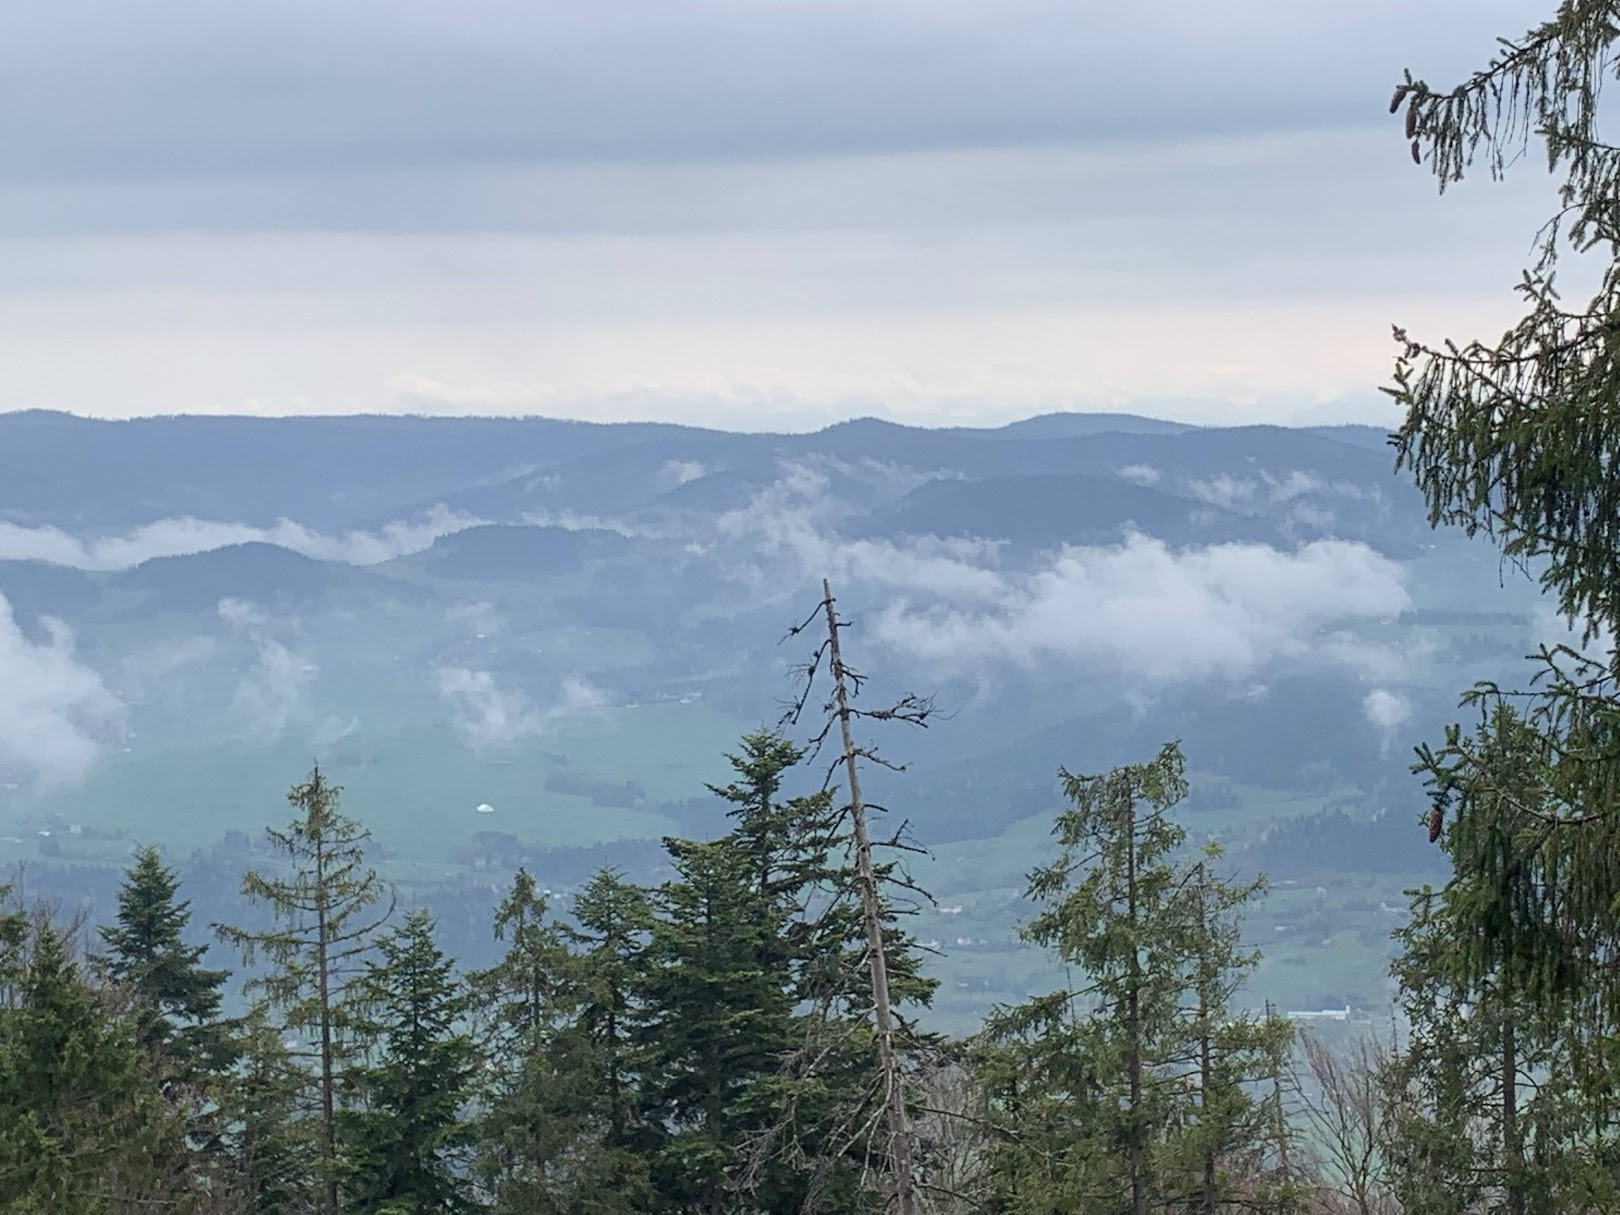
x,y
766,214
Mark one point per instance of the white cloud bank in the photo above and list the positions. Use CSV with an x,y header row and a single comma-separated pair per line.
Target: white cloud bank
x,y
1158,615
56,714
1154,614
182,536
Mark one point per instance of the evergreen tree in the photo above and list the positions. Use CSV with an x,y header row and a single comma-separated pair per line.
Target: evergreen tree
x,y
83,1126
1517,439
265,1132
405,1150
720,1024
537,1146
518,996
1503,1098
787,841
177,999
1229,1146
324,927
801,1120
596,1051
1131,1092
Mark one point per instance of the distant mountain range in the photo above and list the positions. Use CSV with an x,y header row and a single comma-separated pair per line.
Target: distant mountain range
x,y
543,615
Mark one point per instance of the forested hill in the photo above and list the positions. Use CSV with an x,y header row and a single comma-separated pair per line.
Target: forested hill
x,y
572,624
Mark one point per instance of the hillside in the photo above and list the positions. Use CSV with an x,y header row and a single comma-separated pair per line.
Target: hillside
x,y
575,623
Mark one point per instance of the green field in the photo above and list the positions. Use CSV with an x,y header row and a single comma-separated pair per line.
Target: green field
x,y
416,789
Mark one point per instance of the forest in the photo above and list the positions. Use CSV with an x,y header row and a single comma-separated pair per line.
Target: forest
x,y
743,1037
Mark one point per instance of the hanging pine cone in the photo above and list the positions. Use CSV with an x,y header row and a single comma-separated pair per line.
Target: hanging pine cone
x,y
1437,818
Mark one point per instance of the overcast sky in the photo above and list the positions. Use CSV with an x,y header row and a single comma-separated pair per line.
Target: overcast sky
x,y
765,212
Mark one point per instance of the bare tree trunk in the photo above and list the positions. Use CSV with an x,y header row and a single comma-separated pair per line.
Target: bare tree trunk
x,y
1279,1113
328,1113
1512,1147
1208,1198
902,1188
1136,1155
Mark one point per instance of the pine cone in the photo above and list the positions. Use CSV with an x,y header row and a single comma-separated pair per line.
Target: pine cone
x,y
1437,818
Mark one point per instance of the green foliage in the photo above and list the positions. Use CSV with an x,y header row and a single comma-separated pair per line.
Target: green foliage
x,y
1133,1089
1518,440
83,1124
177,1000
323,931
405,1146
561,1129
722,1020
1503,1097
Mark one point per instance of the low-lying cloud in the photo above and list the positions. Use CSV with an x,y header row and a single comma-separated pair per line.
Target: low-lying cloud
x,y
1139,608
796,520
1227,491
1159,615
185,535
1387,712
270,694
681,472
56,714
488,715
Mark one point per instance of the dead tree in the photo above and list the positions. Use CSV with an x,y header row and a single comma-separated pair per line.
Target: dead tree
x,y
900,1182
1343,1108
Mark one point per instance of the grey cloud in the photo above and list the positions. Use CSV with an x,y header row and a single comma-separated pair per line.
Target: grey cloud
x,y
197,90
176,537
271,694
796,520
486,715
1223,490
1229,491
56,714
149,669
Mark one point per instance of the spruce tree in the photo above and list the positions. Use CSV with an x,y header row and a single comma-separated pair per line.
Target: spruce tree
x,y
720,1021
177,999
598,1047
325,915
1503,1096
1132,1090
406,1147
83,1125
265,1127
1229,1148
1517,437
537,1147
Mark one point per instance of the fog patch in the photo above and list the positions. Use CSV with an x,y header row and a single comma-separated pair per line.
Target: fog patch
x,y
487,715
56,714
185,536
674,473
270,694
1141,474
1387,712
